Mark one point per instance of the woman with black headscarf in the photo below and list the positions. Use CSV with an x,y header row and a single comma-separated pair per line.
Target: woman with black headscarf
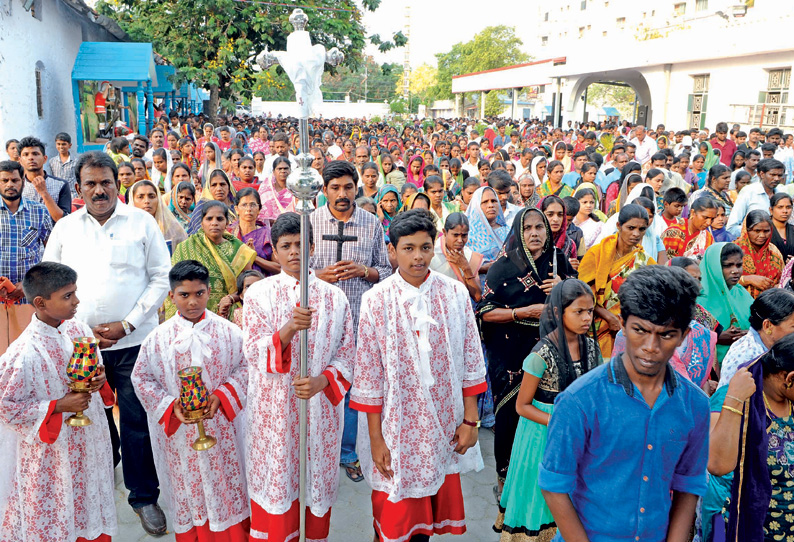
x,y
514,292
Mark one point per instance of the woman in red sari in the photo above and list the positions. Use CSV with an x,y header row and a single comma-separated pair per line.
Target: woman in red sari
x,y
762,262
691,237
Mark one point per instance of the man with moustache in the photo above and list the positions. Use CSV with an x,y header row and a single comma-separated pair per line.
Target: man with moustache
x,y
364,262
757,196
24,228
139,146
122,265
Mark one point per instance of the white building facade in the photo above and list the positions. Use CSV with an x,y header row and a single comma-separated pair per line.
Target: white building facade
x,y
39,40
691,63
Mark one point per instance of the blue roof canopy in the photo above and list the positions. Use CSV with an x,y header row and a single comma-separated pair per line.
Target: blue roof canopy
x,y
611,112
122,64
548,109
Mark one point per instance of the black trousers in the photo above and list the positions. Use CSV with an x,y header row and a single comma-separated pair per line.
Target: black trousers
x,y
137,462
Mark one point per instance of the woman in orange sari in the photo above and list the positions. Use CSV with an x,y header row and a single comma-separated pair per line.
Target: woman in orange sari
x,y
606,266
762,262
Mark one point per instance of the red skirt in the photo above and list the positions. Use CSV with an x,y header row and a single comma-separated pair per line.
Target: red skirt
x,y
202,533
441,513
100,538
284,527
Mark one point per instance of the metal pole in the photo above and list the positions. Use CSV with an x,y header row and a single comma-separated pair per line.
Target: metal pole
x,y
305,210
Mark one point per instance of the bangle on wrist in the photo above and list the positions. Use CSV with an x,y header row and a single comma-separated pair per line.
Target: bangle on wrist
x,y
734,398
514,315
366,273
731,409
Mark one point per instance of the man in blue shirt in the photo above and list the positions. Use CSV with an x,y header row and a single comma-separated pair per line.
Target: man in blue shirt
x,y
572,178
631,434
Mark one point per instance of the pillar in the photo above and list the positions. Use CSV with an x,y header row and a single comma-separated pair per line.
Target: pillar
x,y
150,112
667,69
141,111
173,101
514,104
457,106
482,104
77,117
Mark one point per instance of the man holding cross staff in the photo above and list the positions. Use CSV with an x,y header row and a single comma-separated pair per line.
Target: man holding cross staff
x,y
350,252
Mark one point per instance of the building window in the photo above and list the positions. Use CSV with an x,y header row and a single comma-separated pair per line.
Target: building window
x,y
39,90
776,95
606,3
546,16
698,101
701,5
544,40
583,5
621,22
581,31
604,34
35,9
679,9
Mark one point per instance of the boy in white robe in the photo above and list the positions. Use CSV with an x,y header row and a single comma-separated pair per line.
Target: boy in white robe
x,y
272,321
56,481
205,489
419,368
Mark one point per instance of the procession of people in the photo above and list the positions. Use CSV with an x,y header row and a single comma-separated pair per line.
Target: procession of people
x,y
617,314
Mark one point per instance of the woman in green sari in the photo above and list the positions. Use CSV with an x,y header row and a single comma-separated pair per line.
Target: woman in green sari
x,y
722,296
220,252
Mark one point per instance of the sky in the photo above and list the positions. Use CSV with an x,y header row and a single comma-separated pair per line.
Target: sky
x,y
436,25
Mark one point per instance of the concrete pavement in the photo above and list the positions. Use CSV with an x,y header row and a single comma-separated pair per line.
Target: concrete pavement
x,y
351,519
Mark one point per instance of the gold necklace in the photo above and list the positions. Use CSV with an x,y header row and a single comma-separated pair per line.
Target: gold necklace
x,y
769,408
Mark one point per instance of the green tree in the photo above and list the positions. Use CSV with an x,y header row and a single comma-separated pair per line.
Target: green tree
x,y
493,47
215,42
617,96
493,104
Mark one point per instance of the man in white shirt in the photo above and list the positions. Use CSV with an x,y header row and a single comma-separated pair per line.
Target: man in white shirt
x,y
122,265
157,137
756,196
646,147
473,151
280,145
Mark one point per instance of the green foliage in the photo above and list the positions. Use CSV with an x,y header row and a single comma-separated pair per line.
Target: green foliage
x,y
493,105
493,47
214,42
619,97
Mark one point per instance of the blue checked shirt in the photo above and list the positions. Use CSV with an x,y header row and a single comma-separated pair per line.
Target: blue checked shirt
x,y
22,238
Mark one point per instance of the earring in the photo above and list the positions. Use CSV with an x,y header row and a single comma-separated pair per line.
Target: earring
x,y
788,385
769,332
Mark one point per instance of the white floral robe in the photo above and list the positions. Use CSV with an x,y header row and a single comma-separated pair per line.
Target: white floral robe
x,y
207,485
56,481
273,418
418,354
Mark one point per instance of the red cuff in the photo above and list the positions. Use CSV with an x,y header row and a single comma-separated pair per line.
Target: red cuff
x,y
169,421
482,387
374,409
230,402
108,397
282,362
337,386
51,426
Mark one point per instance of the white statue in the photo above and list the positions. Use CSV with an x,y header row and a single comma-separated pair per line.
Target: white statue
x,y
303,63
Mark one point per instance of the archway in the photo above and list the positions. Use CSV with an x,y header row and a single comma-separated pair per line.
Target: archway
x,y
632,78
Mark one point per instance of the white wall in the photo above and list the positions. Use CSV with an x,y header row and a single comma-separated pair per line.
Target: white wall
x,y
327,109
54,41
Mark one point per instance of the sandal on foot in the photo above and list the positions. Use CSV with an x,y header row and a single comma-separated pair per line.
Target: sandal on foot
x,y
353,471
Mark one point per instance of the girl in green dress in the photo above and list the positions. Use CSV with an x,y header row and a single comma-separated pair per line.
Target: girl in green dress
x,y
563,354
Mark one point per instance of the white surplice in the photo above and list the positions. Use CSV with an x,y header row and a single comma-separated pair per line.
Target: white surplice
x,y
56,481
208,484
272,436
418,353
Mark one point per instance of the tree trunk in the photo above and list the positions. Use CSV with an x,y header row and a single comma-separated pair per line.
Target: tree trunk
x,y
215,100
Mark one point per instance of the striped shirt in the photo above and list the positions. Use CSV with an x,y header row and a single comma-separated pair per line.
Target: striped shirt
x,y
22,238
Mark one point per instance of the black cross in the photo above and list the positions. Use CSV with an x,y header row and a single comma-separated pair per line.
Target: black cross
x,y
340,239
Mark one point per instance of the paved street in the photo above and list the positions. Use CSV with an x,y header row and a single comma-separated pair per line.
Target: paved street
x,y
351,520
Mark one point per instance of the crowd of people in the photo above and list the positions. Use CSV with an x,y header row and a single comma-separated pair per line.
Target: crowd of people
x,y
613,302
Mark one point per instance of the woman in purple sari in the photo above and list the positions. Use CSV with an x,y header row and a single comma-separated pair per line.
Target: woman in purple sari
x,y
254,232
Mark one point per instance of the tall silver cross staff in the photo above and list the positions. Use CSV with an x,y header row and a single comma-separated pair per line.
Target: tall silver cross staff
x,y
303,63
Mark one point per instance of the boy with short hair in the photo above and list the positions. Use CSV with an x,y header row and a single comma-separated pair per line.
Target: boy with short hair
x,y
207,495
674,202
649,437
272,320
62,166
56,481
418,372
